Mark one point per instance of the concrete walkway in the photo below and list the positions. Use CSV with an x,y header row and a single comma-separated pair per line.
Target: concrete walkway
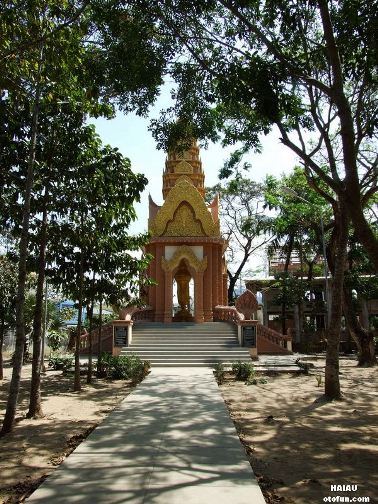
x,y
169,442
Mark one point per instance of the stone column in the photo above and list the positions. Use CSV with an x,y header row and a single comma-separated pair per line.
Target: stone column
x,y
208,284
168,297
159,288
224,290
198,297
215,278
152,273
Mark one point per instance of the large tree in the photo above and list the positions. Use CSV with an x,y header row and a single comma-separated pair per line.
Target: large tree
x,y
81,53
8,285
310,69
92,238
301,224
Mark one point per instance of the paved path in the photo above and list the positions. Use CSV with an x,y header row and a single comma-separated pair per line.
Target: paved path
x,y
169,442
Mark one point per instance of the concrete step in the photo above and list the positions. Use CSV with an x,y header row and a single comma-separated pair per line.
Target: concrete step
x,y
177,334
175,356
186,344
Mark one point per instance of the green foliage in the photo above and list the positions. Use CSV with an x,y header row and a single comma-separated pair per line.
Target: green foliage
x,y
219,372
243,371
61,362
374,322
255,381
244,223
96,320
297,224
8,289
57,339
122,367
292,289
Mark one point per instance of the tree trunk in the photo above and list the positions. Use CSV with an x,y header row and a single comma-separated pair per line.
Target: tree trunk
x,y
235,277
43,369
364,312
14,387
35,406
90,354
363,337
332,381
2,332
297,338
231,289
364,232
284,289
99,335
77,382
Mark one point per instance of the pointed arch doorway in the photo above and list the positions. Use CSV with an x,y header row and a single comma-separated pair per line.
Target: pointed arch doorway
x,y
185,269
183,284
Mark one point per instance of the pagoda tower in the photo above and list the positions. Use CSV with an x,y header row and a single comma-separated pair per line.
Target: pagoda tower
x,y
186,244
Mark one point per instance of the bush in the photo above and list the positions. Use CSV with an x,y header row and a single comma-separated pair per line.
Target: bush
x,y
57,339
243,371
61,362
122,367
219,372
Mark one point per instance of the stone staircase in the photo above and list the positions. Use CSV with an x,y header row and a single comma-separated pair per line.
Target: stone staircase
x,y
186,344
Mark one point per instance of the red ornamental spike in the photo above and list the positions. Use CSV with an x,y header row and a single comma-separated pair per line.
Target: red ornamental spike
x,y
246,304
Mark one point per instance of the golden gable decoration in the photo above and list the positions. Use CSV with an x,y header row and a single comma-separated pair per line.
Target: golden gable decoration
x,y
184,252
184,223
184,167
184,191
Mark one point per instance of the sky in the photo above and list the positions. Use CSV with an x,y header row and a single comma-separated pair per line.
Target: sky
x,y
129,133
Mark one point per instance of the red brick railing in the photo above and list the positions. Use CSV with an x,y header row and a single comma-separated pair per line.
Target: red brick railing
x,y
273,336
106,339
133,313
145,313
227,314
230,314
136,313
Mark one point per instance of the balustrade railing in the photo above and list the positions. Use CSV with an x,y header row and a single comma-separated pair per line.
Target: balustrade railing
x,y
227,314
272,335
136,313
145,313
106,339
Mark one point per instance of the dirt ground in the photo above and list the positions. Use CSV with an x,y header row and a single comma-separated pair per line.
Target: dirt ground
x,y
35,447
299,445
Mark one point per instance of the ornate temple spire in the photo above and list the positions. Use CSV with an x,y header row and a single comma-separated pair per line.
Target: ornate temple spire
x,y
184,163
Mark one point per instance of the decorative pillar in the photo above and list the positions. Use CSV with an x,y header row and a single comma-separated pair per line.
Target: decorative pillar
x,y
215,281
198,297
207,288
224,290
168,285
152,273
159,288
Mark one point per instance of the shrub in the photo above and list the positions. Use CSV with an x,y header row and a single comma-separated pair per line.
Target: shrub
x,y
57,339
219,372
61,362
255,381
122,367
243,371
